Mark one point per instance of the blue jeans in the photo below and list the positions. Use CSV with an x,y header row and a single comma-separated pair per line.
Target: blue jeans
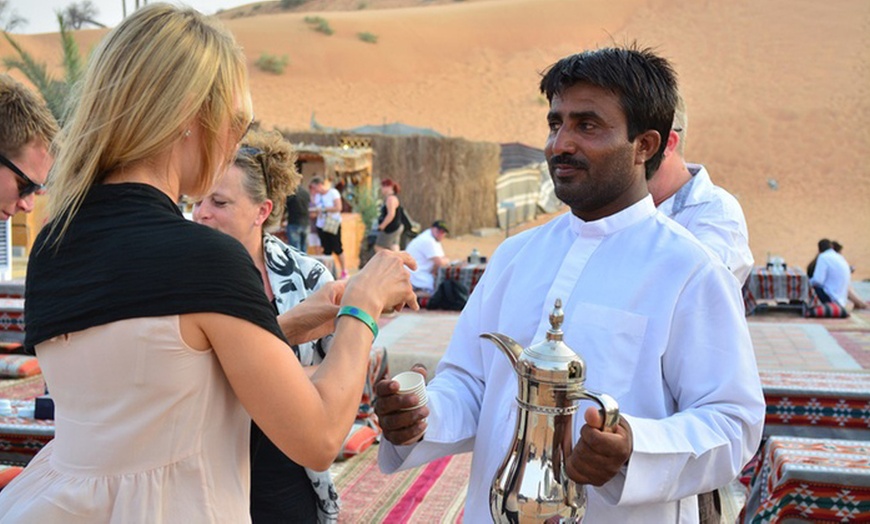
x,y
297,236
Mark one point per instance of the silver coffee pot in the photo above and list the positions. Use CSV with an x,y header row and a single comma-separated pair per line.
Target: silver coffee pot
x,y
532,484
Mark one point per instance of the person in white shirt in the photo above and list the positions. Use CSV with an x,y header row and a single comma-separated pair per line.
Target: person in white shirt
x,y
658,320
685,193
854,297
831,276
427,250
327,203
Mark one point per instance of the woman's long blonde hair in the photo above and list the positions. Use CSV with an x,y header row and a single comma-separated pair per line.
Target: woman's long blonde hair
x,y
161,70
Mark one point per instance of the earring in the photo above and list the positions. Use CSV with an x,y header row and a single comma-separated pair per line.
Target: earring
x,y
187,133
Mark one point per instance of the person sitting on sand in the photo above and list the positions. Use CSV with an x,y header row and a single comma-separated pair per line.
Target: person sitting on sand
x,y
427,250
852,295
831,275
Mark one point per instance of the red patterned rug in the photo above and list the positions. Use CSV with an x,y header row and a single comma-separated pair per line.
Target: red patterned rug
x,y
431,493
22,388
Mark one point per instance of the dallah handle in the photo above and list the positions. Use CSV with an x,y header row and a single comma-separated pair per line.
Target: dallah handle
x,y
609,407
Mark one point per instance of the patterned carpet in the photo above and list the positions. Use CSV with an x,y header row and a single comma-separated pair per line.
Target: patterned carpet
x,y
431,493
856,343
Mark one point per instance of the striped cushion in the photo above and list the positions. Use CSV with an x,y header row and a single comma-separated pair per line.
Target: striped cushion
x,y
18,366
11,347
829,310
360,438
423,299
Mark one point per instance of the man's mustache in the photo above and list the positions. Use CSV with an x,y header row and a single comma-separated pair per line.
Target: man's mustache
x,y
568,160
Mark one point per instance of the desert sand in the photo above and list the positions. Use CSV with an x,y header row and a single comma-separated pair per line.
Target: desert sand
x,y
777,91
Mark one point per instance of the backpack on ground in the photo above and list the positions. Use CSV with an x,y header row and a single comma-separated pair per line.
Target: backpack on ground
x,y
450,295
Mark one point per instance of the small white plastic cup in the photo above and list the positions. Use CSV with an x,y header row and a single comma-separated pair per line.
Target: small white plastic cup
x,y
411,382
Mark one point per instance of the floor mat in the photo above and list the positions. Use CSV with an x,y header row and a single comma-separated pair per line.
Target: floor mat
x,y
431,493
856,343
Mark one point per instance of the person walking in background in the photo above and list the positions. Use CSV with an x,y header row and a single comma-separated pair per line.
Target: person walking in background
x,y
390,219
428,252
154,332
631,281
327,205
313,236
685,193
27,129
298,222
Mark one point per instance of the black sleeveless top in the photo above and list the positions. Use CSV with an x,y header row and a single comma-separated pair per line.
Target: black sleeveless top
x,y
395,223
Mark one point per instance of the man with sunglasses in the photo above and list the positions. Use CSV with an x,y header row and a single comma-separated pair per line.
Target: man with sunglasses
x,y
27,129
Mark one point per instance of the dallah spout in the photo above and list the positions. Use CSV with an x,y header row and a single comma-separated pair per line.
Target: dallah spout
x,y
510,347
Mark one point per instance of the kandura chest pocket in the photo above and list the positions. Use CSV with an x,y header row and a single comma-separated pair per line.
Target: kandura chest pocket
x,y
610,340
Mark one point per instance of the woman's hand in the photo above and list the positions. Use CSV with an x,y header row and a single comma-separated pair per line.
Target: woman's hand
x,y
383,283
313,318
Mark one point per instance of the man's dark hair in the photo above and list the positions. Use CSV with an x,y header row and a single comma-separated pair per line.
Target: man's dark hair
x,y
837,246
646,85
824,245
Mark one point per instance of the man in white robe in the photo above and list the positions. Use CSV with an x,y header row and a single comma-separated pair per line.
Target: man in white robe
x,y
658,320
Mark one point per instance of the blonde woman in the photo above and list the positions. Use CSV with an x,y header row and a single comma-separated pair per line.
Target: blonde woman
x,y
153,332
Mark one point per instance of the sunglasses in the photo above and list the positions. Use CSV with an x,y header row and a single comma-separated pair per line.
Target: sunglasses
x,y
255,153
241,123
29,186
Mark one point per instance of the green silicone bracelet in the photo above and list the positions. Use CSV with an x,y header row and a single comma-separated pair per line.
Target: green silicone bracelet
x,y
360,315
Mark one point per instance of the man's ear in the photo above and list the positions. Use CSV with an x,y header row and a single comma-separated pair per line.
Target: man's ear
x,y
647,145
673,141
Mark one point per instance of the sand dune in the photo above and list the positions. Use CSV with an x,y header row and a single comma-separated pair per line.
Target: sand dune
x,y
777,90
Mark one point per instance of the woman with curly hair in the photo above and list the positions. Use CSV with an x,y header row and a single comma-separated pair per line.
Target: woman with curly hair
x,y
245,203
